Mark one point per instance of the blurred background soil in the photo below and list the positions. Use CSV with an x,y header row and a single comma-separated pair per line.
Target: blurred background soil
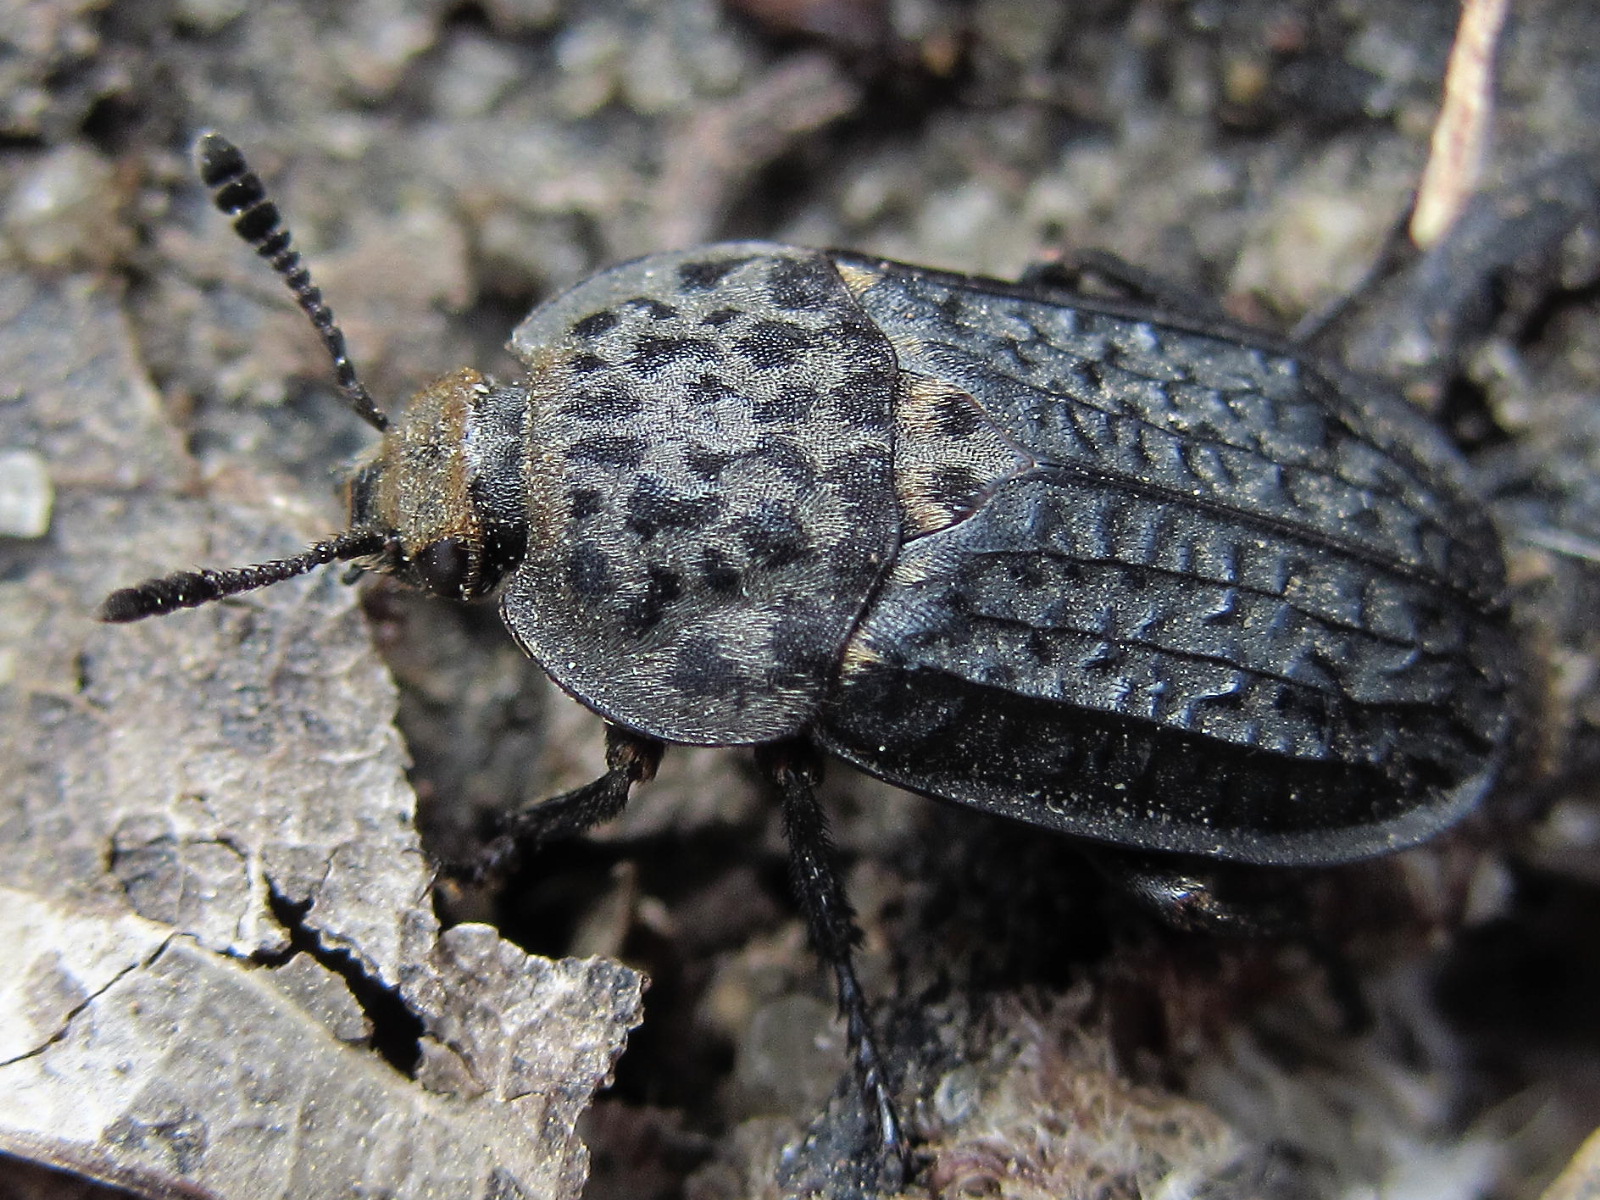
x,y
446,165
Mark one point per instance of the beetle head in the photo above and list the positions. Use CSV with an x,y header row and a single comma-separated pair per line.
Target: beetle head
x,y
423,487
418,510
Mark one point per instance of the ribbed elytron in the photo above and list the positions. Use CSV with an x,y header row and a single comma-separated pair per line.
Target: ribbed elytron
x,y
1094,566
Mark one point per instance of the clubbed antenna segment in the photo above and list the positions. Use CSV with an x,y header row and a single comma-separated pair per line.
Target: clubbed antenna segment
x,y
238,192
190,589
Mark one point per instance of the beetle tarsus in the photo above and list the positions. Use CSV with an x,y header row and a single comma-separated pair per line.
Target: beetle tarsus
x,y
794,769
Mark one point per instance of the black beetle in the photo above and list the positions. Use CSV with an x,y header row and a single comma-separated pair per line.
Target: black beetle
x,y
1154,581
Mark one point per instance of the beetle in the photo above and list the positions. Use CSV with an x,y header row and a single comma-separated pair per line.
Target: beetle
x,y
1139,577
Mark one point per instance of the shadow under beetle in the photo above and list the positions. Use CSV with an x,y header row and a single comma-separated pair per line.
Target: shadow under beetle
x,y
1133,576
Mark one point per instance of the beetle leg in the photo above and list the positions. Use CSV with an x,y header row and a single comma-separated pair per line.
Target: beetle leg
x,y
1192,895
1067,273
794,769
630,758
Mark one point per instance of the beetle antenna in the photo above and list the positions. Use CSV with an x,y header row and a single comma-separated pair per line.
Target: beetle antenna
x,y
238,192
190,589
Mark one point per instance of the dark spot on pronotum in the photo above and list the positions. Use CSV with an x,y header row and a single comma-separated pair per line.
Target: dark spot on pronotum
x,y
604,404
585,502
799,648
860,480
662,588
704,275
709,389
608,450
650,354
716,572
706,463
801,285
595,324
654,505
853,336
787,457
720,317
773,534
650,306
702,669
589,570
791,404
862,401
771,344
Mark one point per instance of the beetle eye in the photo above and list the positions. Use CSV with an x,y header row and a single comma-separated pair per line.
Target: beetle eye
x,y
444,567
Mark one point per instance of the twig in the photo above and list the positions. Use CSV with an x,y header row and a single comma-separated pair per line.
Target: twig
x,y
1456,156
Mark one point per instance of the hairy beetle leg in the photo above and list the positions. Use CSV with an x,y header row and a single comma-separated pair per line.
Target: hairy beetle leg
x,y
794,768
1198,896
630,759
1067,273
1192,896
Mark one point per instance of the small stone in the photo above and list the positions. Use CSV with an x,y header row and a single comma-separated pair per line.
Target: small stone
x,y
26,494
521,16
66,212
958,1095
210,16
